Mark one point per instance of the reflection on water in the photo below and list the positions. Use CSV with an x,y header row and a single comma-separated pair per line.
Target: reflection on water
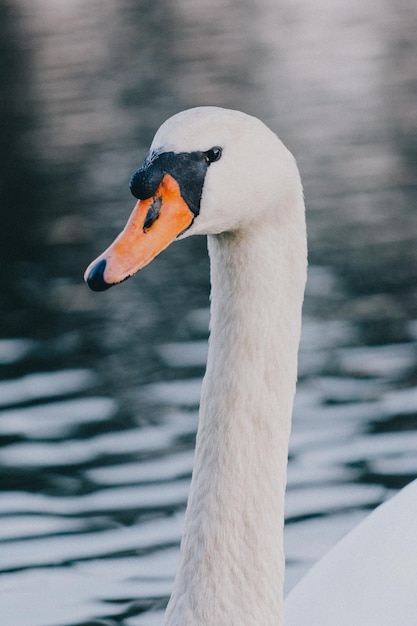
x,y
99,393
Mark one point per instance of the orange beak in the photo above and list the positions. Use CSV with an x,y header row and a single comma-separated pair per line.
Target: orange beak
x,y
152,226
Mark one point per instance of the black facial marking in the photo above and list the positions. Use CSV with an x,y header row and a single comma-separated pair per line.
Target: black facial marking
x,y
147,179
187,168
153,213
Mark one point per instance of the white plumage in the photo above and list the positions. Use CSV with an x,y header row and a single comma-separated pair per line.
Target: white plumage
x,y
232,562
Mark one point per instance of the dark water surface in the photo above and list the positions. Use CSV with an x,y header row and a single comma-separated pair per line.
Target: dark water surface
x,y
99,392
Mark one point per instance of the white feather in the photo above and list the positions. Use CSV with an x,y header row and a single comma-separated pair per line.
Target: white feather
x,y
232,563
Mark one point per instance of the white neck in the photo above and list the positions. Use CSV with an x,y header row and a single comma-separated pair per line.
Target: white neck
x,y
232,561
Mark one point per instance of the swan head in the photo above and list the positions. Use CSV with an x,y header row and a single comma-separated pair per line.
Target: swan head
x,y
209,170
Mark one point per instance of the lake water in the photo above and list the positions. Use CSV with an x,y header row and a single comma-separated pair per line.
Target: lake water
x,y
99,392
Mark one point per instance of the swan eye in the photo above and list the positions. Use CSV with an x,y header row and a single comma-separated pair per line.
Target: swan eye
x,y
213,155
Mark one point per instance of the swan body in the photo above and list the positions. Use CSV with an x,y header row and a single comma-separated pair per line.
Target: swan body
x,y
370,577
224,174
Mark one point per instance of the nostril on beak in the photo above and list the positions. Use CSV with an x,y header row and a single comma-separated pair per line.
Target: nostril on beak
x,y
95,279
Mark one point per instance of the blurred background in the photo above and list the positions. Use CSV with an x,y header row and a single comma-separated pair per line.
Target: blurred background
x,y
99,392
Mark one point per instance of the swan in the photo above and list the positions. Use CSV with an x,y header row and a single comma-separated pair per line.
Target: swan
x,y
224,174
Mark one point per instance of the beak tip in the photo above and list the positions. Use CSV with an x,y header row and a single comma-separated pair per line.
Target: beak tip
x,y
94,277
